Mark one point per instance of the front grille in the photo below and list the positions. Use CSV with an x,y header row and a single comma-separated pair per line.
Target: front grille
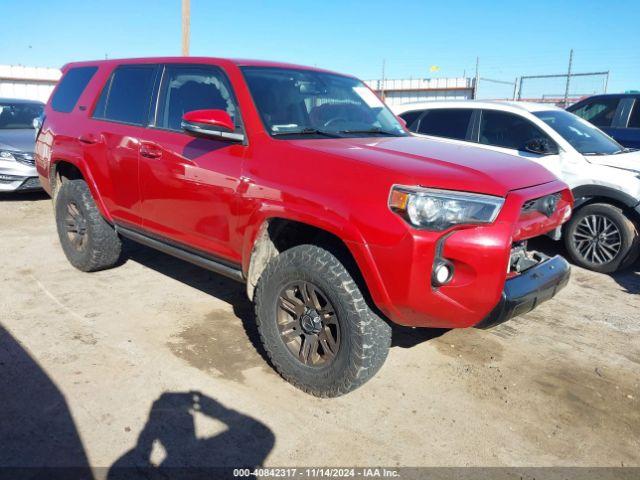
x,y
25,158
546,205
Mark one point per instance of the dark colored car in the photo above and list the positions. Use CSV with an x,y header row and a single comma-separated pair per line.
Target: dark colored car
x,y
617,114
302,184
19,122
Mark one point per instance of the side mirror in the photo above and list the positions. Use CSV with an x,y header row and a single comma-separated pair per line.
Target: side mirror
x,y
211,123
541,146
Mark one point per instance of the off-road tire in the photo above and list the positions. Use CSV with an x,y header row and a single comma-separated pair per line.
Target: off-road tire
x,y
103,246
629,240
365,337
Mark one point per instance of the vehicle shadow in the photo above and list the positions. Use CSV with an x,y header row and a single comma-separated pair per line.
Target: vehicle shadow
x,y
169,446
225,289
24,196
234,293
629,279
38,437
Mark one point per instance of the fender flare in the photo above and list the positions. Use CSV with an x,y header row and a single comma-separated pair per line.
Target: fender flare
x,y
333,224
88,177
583,192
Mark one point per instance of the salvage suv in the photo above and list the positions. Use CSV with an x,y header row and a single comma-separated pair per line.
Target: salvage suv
x,y
302,184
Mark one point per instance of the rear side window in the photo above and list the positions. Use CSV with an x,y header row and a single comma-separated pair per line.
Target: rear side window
x,y
126,97
71,87
446,122
503,129
411,117
600,111
634,120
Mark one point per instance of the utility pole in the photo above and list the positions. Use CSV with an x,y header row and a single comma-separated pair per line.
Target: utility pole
x,y
566,90
384,61
186,21
515,88
477,80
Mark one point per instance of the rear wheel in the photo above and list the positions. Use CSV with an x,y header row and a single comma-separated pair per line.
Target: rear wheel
x,y
315,324
601,238
87,240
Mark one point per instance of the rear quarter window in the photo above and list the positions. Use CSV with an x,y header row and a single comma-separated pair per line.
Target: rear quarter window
x,y
411,117
71,87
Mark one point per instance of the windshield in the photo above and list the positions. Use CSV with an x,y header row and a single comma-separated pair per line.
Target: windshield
x,y
18,115
584,137
302,103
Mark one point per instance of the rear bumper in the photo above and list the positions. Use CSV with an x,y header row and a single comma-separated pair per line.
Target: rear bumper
x,y
529,289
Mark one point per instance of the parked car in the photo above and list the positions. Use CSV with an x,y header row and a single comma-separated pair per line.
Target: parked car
x,y
301,183
19,121
616,114
604,176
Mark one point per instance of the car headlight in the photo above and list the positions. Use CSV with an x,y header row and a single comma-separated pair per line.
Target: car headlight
x,y
433,209
6,155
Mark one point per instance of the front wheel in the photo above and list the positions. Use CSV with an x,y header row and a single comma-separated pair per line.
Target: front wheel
x,y
315,324
601,238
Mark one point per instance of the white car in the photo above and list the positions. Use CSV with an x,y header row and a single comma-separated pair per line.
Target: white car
x,y
602,234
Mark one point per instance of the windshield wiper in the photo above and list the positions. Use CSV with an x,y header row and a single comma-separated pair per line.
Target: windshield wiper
x,y
371,130
624,150
307,131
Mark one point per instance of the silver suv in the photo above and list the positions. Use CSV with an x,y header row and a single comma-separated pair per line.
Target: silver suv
x,y
19,122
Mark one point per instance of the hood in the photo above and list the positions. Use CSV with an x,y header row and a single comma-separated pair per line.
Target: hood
x,y
438,163
21,139
627,161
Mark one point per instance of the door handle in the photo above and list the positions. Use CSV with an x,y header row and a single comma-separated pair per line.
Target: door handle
x,y
88,139
150,150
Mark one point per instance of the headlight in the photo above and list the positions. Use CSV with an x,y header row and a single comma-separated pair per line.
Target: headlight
x,y
438,210
6,155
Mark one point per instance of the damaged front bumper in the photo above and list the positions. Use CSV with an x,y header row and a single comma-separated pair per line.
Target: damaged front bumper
x,y
529,289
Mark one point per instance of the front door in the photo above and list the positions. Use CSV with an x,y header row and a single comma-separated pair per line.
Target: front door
x,y
188,184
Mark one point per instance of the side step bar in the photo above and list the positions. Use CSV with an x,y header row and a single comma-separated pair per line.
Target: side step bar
x,y
198,259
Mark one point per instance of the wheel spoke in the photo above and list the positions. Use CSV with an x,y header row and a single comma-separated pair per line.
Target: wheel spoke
x,y
329,344
291,305
308,348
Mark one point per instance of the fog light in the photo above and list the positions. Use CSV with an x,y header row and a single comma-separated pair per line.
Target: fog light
x,y
442,273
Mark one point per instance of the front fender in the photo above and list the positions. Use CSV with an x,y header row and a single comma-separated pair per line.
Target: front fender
x,y
327,221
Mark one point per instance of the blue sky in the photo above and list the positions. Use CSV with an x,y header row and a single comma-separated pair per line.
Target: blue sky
x,y
511,38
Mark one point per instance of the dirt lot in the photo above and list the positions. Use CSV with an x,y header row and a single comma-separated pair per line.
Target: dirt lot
x,y
98,368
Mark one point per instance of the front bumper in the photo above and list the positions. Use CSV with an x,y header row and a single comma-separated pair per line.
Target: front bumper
x,y
13,184
17,176
529,289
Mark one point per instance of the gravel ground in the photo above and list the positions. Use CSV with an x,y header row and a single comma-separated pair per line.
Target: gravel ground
x,y
102,369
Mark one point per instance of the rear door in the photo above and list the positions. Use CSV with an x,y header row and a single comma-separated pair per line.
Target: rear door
x,y
452,123
112,138
188,184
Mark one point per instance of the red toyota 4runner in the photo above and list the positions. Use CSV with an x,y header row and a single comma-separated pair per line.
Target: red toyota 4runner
x,y
301,183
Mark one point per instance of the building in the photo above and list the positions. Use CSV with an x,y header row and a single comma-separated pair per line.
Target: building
x,y
397,92
30,83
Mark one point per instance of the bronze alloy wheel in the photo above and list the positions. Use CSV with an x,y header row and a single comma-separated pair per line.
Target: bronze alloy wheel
x,y
308,324
76,226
